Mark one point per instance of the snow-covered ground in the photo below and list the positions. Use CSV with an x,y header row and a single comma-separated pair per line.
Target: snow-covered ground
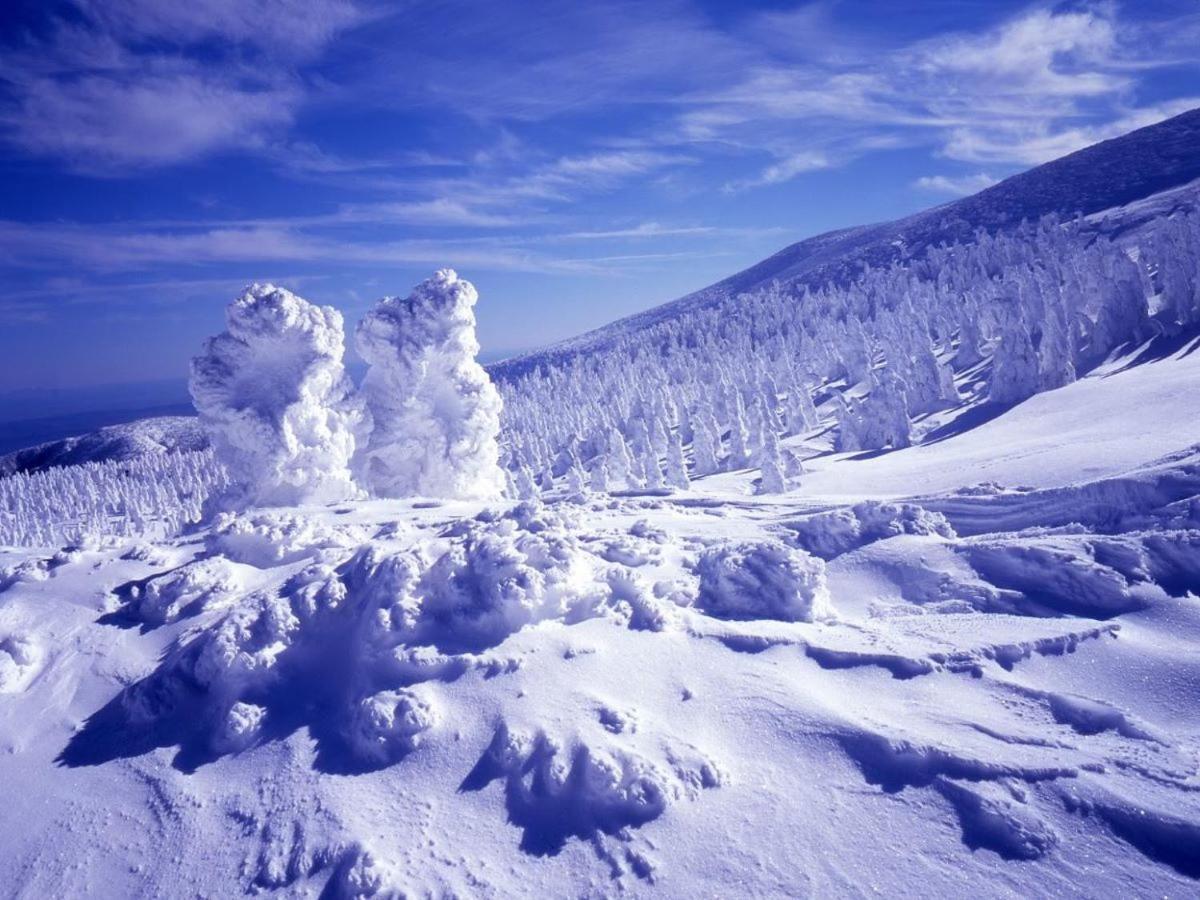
x,y
964,667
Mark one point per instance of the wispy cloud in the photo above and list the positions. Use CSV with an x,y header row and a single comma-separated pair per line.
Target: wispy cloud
x,y
1025,91
124,84
783,170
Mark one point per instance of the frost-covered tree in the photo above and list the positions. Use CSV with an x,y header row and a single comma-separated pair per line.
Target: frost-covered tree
x,y
677,475
598,475
1024,307
739,435
272,392
436,413
577,482
773,480
619,459
706,442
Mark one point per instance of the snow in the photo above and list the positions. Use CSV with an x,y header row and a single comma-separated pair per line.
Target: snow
x,y
956,657
590,695
435,413
276,400
162,434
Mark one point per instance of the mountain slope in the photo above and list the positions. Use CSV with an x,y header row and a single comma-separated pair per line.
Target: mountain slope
x,y
161,434
1110,174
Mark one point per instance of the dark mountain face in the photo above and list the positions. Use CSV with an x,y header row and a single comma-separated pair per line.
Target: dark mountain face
x,y
1109,174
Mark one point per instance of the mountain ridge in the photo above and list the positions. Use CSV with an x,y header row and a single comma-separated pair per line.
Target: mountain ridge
x,y
1088,181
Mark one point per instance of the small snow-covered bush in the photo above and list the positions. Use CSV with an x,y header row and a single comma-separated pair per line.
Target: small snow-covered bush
x,y
762,580
277,403
838,531
190,588
20,656
436,414
272,537
389,724
240,728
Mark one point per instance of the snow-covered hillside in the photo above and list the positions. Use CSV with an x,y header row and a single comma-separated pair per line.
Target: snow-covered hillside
x,y
875,572
1114,173
162,434
990,687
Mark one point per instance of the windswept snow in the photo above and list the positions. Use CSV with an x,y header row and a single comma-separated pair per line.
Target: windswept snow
x,y
592,694
886,581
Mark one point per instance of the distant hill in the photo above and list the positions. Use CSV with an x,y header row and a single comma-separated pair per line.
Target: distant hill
x,y
1110,174
162,434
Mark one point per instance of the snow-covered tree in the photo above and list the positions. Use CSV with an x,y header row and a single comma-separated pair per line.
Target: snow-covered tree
x,y
436,413
272,392
773,480
677,475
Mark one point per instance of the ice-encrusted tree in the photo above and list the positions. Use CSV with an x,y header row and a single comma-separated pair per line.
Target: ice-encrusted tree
x,y
677,475
436,413
620,460
774,480
274,396
706,442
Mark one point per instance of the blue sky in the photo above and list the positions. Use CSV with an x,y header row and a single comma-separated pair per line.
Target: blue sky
x,y
577,161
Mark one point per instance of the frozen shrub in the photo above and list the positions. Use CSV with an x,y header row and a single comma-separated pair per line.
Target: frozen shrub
x,y
240,728
498,580
19,658
271,538
762,580
389,724
186,590
273,394
838,531
436,414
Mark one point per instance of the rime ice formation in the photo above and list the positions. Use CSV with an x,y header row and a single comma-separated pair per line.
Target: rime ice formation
x,y
276,400
763,580
436,414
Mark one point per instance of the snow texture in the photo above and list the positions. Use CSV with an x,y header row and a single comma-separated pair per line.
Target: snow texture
x,y
765,580
706,653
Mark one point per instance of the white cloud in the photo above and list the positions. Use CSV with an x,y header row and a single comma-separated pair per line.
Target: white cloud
x,y
102,124
1064,54
959,186
281,27
125,84
782,170
1032,88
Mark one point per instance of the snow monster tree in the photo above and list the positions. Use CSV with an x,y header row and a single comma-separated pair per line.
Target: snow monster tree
x,y
436,413
277,403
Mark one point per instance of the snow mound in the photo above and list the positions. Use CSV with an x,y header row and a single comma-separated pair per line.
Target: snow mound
x,y
347,634
838,531
272,393
556,789
388,725
762,580
188,590
436,414
1060,575
20,659
269,538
